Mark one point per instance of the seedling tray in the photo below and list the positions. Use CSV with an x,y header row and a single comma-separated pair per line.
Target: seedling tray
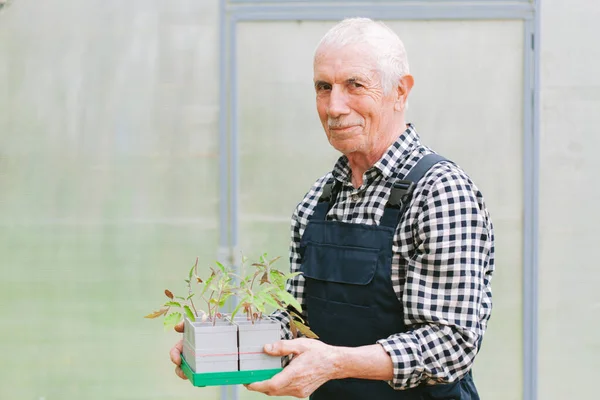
x,y
226,378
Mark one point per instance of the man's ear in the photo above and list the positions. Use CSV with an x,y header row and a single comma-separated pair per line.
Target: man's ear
x,y
404,86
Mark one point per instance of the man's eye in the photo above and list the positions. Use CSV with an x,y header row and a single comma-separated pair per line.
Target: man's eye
x,y
323,86
356,84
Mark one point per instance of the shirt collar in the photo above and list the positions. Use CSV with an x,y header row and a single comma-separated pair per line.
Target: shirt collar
x,y
386,166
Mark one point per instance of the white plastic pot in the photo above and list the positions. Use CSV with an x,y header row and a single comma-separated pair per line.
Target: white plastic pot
x,y
252,340
208,348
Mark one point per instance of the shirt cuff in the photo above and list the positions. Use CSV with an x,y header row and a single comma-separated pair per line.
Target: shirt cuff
x,y
407,372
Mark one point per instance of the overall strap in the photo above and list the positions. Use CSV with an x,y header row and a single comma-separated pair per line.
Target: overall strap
x,y
326,201
402,190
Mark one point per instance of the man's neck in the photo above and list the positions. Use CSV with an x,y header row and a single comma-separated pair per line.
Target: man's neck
x,y
360,163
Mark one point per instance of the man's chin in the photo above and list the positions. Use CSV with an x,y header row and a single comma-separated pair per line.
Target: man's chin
x,y
345,146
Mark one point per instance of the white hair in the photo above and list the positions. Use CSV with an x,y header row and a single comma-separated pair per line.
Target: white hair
x,y
386,47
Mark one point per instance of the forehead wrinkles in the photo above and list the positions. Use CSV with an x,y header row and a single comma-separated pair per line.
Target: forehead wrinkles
x,y
341,69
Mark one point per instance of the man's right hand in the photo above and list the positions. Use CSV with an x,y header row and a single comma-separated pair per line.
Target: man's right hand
x,y
176,352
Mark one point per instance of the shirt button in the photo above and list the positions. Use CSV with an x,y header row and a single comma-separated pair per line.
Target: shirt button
x,y
355,197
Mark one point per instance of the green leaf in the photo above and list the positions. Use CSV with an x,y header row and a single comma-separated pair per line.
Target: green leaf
x,y
187,281
191,273
180,298
190,296
259,305
172,304
288,299
292,275
240,305
235,310
189,313
221,267
208,282
277,278
224,299
172,319
269,300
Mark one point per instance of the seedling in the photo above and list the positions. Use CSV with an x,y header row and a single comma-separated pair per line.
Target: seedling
x,y
266,286
214,292
258,287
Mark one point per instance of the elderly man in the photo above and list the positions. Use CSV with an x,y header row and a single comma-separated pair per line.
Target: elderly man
x,y
395,244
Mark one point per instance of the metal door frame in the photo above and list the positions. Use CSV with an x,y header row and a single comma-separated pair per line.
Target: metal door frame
x,y
233,11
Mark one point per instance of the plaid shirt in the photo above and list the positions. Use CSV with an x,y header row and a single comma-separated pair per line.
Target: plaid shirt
x,y
443,260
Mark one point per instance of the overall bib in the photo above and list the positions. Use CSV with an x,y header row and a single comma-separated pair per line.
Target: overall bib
x,y
350,299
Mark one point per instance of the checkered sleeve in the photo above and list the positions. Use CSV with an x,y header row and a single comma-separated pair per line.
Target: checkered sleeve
x,y
445,292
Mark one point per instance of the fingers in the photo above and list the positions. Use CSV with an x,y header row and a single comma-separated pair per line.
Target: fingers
x,y
303,375
276,386
179,327
260,387
279,382
267,387
180,373
175,353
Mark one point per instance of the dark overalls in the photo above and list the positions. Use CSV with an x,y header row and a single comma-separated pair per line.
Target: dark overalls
x,y
349,294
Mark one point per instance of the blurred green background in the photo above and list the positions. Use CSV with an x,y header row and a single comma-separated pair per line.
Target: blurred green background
x,y
109,179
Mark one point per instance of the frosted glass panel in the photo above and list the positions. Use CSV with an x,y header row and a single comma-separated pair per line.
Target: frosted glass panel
x,y
466,104
569,336
467,101
108,191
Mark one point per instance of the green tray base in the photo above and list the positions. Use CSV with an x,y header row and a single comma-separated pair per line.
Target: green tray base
x,y
227,378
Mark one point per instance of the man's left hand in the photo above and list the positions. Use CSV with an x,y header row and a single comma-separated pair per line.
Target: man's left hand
x,y
313,364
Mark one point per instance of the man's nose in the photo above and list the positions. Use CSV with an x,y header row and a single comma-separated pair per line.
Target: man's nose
x,y
338,103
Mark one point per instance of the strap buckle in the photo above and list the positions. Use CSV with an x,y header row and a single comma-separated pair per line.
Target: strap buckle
x,y
400,193
327,192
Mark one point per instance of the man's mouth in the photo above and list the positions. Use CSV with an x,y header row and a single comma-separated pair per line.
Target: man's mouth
x,y
341,128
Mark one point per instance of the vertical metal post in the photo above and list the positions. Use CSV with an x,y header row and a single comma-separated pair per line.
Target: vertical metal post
x,y
531,201
527,209
234,143
535,202
224,251
234,151
223,153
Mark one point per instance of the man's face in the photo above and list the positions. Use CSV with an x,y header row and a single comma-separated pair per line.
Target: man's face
x,y
353,109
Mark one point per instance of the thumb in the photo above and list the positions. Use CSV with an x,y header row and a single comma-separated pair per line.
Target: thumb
x,y
281,348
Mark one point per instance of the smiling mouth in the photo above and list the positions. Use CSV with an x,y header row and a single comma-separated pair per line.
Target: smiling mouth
x,y
341,128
